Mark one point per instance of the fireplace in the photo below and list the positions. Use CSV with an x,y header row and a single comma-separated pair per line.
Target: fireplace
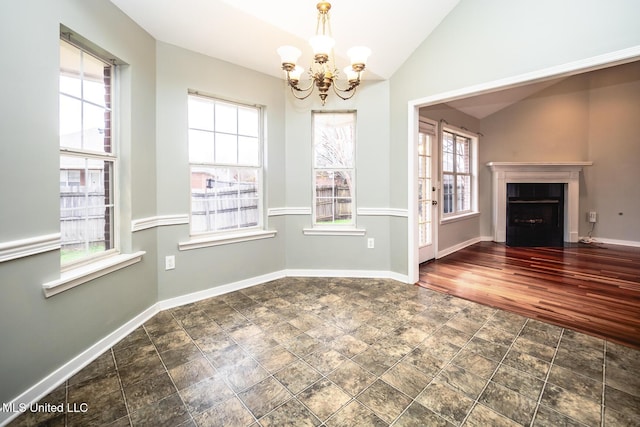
x,y
564,174
535,214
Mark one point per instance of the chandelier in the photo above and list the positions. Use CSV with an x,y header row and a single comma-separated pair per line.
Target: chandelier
x,y
322,70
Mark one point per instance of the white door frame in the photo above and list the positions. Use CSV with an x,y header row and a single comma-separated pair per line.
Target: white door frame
x,y
564,70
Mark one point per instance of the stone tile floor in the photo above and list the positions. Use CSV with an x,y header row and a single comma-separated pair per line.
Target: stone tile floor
x,y
347,352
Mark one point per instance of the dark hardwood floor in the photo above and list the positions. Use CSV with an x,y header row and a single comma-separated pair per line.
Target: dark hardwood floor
x,y
594,289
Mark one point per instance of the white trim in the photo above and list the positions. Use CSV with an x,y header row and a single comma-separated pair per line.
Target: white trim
x,y
334,231
460,217
73,366
365,274
459,246
219,290
77,276
382,212
598,240
31,246
288,211
563,70
159,221
225,239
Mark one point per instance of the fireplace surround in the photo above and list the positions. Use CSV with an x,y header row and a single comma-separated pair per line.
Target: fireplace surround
x,y
565,173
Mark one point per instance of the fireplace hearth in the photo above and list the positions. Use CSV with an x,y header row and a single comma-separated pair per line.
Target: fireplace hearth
x,y
535,214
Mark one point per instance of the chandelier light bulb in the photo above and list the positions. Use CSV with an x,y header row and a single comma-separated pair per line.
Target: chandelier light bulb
x,y
289,54
296,73
351,74
359,56
322,45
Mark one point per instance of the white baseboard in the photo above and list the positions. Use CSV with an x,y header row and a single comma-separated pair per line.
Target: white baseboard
x,y
218,290
597,240
366,274
455,248
73,366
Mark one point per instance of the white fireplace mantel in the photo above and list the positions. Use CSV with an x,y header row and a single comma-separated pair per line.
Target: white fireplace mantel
x,y
567,173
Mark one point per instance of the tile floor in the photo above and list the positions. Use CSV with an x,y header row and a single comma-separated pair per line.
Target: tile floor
x,y
346,352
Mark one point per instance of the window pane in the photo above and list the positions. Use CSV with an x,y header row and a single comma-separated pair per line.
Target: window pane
x,y
70,122
334,143
447,193
200,146
447,152
200,113
70,69
226,148
226,117
93,80
93,134
324,192
248,121
462,155
463,191
248,150
248,194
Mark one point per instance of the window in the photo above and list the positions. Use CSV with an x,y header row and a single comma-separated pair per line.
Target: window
x,y
225,156
334,168
458,173
87,156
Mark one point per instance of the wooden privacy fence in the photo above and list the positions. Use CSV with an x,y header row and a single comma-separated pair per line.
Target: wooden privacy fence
x,y
226,206
82,217
331,207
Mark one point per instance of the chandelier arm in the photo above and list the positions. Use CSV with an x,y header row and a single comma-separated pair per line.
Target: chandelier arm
x,y
351,89
294,86
295,90
352,85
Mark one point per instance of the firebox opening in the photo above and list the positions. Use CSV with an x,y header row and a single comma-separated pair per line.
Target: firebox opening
x,y
535,214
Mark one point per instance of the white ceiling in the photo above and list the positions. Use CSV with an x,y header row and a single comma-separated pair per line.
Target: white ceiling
x,y
248,32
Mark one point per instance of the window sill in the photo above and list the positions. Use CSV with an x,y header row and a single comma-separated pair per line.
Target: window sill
x,y
77,276
225,239
457,218
334,231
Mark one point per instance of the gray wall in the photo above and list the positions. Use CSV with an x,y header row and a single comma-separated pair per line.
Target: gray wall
x,y
372,151
485,41
589,117
179,70
38,335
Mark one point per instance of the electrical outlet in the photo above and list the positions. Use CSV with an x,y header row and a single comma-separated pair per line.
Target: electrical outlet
x,y
592,216
371,243
169,262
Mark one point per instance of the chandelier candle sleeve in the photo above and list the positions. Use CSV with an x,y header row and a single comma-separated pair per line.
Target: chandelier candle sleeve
x,y
322,71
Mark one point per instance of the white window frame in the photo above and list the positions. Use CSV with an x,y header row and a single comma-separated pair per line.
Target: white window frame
x,y
206,238
347,228
456,214
93,267
92,155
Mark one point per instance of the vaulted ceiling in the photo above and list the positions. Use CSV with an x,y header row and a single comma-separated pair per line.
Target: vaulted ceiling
x,y
248,32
